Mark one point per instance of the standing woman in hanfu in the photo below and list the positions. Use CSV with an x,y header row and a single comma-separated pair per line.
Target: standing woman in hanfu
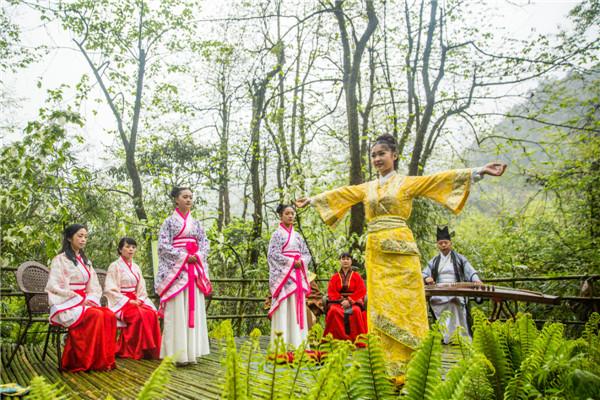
x,y
288,259
397,309
74,297
182,282
137,317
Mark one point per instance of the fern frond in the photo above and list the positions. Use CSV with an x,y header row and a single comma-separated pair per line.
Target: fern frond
x,y
155,386
544,347
591,336
475,384
315,335
424,369
293,379
583,385
463,342
249,352
233,389
42,390
525,333
371,380
446,389
330,376
486,341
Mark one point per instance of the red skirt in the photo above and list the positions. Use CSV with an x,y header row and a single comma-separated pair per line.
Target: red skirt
x,y
91,343
336,326
141,337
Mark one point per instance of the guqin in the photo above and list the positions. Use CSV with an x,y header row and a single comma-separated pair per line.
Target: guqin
x,y
498,294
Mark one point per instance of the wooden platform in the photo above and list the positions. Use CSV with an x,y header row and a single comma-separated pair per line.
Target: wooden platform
x,y
200,381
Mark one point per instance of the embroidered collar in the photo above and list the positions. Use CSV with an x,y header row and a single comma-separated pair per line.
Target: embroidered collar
x,y
384,179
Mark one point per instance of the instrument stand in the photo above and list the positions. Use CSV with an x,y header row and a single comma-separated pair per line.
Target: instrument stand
x,y
501,307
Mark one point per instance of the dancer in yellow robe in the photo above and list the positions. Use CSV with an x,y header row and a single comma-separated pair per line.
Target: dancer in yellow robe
x,y
397,308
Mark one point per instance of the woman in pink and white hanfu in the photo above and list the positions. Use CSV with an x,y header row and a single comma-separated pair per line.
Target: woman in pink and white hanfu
x,y
137,318
183,282
288,259
74,296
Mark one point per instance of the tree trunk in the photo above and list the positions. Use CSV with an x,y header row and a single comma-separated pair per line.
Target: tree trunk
x,y
351,68
258,90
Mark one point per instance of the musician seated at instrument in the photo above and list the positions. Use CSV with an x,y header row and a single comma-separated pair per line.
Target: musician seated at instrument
x,y
449,267
346,317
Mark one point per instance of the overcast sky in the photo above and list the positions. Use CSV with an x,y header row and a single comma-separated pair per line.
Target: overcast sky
x,y
63,65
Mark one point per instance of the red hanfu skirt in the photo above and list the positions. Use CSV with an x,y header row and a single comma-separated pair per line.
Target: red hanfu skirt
x,y
334,323
141,337
91,343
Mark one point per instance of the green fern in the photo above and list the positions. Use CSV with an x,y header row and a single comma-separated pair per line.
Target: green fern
x,y
464,343
371,381
583,385
525,333
486,342
249,350
508,344
475,384
424,373
42,390
294,378
233,389
591,336
448,387
155,386
328,385
545,346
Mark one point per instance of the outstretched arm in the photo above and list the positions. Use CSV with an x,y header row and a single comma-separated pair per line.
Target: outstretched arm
x,y
334,204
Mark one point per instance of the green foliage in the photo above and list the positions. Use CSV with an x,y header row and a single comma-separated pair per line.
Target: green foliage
x,y
42,390
487,341
329,380
371,379
233,389
156,386
424,373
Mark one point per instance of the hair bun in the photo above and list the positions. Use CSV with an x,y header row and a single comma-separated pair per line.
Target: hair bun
x,y
387,138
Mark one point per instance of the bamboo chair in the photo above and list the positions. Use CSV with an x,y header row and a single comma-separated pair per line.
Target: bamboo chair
x,y
32,278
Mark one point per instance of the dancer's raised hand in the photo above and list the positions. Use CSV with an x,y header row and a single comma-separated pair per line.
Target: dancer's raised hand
x,y
302,202
494,169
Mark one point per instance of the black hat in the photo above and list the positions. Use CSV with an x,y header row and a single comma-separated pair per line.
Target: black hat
x,y
442,234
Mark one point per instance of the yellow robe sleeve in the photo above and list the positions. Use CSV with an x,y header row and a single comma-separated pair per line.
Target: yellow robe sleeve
x,y
334,204
449,188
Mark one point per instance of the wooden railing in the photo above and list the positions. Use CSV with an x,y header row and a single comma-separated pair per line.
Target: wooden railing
x,y
243,300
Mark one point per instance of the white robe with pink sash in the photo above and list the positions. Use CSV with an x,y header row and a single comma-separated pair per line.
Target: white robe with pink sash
x,y
289,285
69,285
182,286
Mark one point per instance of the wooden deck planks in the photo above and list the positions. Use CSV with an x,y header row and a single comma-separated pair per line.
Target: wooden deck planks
x,y
197,381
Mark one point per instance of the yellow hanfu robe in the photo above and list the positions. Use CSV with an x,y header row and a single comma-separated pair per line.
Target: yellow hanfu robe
x,y
397,308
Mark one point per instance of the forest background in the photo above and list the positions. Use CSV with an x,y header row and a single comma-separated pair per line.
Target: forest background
x,y
253,103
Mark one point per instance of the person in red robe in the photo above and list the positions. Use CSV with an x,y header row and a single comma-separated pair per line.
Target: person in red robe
x,y
74,296
137,318
346,317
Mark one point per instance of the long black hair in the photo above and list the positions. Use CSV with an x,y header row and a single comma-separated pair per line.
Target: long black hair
x,y
390,142
68,233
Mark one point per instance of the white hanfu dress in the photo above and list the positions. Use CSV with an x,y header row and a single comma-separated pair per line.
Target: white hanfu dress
x,y
182,286
289,285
